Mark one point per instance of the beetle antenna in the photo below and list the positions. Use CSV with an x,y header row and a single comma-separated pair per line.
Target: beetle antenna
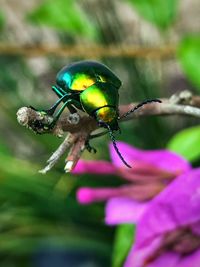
x,y
139,106
115,145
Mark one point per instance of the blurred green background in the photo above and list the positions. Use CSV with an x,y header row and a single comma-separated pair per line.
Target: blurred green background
x,y
41,223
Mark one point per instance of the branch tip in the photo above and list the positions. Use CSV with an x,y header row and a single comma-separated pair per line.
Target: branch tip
x,y
68,166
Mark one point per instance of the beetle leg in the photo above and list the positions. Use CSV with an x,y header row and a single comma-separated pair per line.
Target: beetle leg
x,y
61,93
58,91
52,109
71,109
89,147
92,136
63,96
68,104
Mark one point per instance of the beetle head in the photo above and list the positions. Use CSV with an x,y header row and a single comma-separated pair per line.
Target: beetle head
x,y
107,117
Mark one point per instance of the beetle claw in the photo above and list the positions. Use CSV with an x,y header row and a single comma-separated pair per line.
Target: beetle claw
x,y
90,148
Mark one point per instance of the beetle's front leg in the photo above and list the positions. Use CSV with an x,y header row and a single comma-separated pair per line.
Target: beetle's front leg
x,y
52,109
69,104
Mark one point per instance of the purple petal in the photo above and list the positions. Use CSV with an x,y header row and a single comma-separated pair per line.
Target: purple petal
x,y
163,159
86,195
178,205
196,228
94,167
168,259
190,260
138,256
124,210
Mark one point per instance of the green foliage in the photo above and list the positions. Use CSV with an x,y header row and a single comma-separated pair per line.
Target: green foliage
x,y
123,242
4,150
63,15
160,13
2,20
189,56
186,143
33,210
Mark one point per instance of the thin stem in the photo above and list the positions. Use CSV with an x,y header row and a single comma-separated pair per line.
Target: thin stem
x,y
94,51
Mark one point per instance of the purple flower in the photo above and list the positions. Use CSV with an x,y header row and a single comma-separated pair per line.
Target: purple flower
x,y
168,233
151,172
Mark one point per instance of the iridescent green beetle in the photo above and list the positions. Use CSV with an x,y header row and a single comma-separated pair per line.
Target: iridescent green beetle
x,y
93,88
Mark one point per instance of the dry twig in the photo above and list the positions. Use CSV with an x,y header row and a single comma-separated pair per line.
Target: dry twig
x,y
77,140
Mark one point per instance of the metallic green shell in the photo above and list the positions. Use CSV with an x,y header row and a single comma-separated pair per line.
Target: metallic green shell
x,y
80,75
99,95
